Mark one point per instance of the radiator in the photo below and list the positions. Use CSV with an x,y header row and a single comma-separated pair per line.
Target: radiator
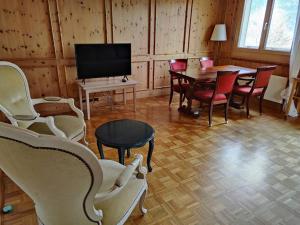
x,y
276,85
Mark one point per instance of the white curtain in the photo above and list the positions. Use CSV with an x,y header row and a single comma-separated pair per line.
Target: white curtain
x,y
294,65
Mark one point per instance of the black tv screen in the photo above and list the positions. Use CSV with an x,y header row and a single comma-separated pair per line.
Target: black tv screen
x,y
102,60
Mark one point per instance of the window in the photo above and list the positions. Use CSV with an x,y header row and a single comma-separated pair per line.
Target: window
x,y
268,24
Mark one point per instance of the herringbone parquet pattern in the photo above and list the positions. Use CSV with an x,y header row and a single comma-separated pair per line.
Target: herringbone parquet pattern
x,y
244,173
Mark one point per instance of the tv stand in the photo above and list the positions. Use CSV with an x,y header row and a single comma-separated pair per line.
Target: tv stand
x,y
125,78
92,86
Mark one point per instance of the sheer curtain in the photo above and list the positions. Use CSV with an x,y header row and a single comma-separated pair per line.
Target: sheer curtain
x,y
294,64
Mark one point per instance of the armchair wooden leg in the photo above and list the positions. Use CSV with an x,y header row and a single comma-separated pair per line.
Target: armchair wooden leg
x,y
171,96
141,203
128,153
210,114
84,137
247,106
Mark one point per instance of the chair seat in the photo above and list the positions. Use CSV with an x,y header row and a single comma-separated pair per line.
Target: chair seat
x,y
184,86
124,199
244,90
206,95
72,126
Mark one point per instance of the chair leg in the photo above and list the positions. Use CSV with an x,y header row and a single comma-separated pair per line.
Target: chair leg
x,y
260,104
180,99
226,111
141,203
171,96
247,106
210,114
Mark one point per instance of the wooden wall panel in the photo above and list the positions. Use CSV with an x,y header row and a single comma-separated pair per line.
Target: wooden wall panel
x,y
25,30
140,74
71,75
39,36
81,22
170,20
161,74
203,19
131,24
42,81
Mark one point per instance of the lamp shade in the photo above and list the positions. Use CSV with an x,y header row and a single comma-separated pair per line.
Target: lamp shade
x,y
219,33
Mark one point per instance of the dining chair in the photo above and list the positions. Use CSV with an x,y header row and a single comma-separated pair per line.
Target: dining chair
x,y
67,182
18,107
206,62
177,84
218,95
256,88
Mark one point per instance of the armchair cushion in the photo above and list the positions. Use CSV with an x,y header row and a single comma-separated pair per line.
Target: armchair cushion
x,y
246,90
124,199
72,126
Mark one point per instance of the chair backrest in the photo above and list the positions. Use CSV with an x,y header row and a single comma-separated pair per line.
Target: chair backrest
x,y
178,64
14,91
225,81
60,176
262,76
205,62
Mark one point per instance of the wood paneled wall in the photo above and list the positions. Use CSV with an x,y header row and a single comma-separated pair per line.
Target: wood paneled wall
x,y
231,18
39,36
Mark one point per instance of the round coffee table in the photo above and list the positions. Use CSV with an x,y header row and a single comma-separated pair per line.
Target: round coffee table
x,y
124,135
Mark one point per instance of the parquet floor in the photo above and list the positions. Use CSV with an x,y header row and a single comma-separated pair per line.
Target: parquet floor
x,y
244,173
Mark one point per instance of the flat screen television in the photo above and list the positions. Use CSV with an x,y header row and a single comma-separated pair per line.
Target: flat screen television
x,y
102,60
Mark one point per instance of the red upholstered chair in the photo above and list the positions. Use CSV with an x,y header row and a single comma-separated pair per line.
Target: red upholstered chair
x,y
258,88
178,85
220,94
205,62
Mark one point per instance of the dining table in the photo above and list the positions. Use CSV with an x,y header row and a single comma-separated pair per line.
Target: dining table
x,y
195,75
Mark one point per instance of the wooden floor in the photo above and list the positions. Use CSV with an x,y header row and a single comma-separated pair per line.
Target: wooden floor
x,y
241,173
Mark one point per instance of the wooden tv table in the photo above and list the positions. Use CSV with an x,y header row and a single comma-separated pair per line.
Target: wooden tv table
x,y
104,85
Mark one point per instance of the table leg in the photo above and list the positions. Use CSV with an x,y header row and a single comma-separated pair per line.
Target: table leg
x,y
151,148
100,148
121,153
128,152
87,97
134,98
80,98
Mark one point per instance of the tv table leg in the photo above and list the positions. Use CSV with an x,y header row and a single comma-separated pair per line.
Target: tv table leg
x,y
87,97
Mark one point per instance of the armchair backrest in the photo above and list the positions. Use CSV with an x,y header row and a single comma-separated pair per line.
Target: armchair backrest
x,y
205,62
178,64
14,91
263,75
60,176
225,81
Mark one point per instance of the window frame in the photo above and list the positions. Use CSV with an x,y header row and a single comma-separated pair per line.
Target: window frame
x,y
260,53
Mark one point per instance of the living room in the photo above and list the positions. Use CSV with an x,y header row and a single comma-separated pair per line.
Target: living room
x,y
149,112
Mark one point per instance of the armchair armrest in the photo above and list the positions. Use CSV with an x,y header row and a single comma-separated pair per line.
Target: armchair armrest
x,y
25,117
136,165
124,177
58,100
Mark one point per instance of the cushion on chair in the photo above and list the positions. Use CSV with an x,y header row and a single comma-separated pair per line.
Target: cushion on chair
x,y
115,208
246,89
72,126
184,86
207,95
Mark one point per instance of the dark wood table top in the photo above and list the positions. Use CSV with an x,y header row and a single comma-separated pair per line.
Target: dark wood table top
x,y
196,73
124,133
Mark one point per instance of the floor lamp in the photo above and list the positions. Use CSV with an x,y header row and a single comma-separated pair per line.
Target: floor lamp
x,y
218,35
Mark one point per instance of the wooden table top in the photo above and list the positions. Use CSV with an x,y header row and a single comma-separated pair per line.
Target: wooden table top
x,y
196,73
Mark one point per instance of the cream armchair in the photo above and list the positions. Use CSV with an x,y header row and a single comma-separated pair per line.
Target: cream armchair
x,y
67,182
16,104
